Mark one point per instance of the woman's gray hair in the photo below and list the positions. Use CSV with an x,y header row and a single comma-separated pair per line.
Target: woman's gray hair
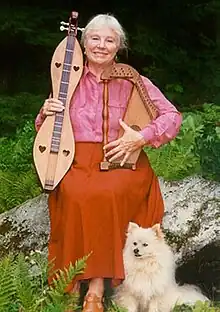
x,y
110,21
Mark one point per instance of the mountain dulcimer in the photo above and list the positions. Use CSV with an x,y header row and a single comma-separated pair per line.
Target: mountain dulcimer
x,y
54,145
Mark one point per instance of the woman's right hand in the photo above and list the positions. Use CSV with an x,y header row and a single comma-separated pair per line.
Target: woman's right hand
x,y
52,106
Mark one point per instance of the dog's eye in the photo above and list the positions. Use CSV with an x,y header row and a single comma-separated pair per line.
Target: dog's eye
x,y
135,244
145,244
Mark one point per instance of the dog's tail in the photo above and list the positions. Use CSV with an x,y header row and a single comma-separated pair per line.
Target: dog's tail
x,y
190,294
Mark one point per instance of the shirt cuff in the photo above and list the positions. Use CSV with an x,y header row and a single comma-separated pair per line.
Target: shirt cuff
x,y
148,134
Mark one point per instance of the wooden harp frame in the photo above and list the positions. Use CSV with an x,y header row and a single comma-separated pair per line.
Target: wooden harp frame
x,y
139,113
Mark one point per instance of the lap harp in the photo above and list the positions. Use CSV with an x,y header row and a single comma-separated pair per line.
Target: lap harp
x,y
139,113
54,145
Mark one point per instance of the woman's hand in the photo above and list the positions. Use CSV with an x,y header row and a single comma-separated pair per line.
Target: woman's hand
x,y
126,145
52,106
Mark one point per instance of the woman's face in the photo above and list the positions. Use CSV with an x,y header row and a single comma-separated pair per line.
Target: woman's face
x,y
101,46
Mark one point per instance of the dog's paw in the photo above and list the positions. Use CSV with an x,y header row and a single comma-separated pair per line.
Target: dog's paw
x,y
153,306
127,302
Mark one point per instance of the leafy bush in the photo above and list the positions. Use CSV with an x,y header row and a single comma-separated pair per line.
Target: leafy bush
x,y
195,150
16,110
178,159
16,188
208,146
16,152
18,179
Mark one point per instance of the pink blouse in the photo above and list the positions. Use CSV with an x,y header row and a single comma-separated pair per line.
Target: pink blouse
x,y
86,111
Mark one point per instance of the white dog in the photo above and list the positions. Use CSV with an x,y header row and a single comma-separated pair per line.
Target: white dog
x,y
150,283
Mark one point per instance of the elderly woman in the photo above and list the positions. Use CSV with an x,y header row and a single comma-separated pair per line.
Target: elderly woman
x,y
90,209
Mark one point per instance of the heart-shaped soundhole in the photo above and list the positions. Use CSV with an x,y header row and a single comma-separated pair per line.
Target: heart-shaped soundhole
x,y
58,64
66,153
76,68
42,148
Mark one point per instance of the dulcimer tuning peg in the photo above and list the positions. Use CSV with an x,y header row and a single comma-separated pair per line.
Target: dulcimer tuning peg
x,y
81,29
62,28
64,23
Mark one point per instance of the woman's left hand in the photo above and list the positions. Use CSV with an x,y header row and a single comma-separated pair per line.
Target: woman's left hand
x,y
126,145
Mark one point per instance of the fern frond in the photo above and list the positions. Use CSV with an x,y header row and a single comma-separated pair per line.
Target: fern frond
x,y
62,280
53,308
23,282
7,287
16,188
64,277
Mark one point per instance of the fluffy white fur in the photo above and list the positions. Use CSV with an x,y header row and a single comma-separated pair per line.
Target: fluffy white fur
x,y
150,283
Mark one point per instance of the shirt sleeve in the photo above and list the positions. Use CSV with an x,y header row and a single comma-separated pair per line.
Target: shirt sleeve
x,y
39,120
167,124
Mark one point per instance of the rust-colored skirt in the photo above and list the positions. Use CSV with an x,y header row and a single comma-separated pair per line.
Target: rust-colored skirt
x,y
90,211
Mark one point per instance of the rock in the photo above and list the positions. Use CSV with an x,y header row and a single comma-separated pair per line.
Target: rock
x,y
192,215
192,227
191,224
26,227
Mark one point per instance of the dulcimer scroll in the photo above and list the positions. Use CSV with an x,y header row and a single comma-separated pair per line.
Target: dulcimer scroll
x,y
139,113
54,145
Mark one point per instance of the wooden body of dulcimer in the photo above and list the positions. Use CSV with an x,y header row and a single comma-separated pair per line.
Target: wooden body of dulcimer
x,y
54,145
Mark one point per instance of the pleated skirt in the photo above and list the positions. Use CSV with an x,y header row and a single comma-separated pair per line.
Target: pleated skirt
x,y
90,211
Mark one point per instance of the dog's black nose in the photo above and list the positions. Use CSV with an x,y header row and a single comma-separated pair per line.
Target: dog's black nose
x,y
136,250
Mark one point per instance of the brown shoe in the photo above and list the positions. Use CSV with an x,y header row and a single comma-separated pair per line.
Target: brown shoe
x,y
93,303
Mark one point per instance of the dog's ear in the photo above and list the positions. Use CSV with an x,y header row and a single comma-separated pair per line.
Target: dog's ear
x,y
158,231
131,227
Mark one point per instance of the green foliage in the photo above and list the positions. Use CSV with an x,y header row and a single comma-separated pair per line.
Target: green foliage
x,y
170,43
32,35
7,289
16,152
178,159
24,287
195,150
209,151
16,188
208,145
64,278
172,91
26,22
198,307
18,179
16,110
113,307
